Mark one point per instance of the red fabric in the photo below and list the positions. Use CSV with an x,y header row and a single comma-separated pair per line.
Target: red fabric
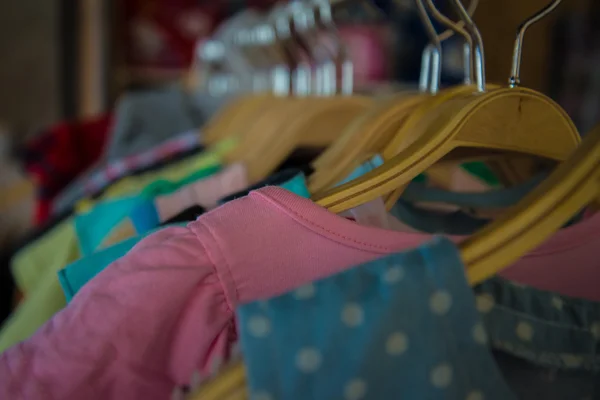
x,y
161,34
62,152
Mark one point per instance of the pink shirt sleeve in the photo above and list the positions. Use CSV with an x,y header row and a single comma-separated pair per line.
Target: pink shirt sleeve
x,y
125,335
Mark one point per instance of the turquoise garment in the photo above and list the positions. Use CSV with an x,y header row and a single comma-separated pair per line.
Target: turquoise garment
x,y
402,327
297,185
93,227
145,216
75,275
369,166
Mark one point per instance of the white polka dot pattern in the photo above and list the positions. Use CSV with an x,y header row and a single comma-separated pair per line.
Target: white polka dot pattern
x,y
484,303
259,326
396,344
355,390
262,396
305,292
524,331
475,395
441,376
572,360
394,274
440,302
557,303
595,330
352,315
384,332
308,360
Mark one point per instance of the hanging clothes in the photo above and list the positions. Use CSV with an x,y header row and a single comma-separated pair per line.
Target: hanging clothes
x,y
74,276
409,325
93,182
147,216
37,272
176,291
412,328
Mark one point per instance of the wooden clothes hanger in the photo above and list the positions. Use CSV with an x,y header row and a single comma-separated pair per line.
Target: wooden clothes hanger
x,y
511,120
572,186
233,119
262,38
312,121
370,133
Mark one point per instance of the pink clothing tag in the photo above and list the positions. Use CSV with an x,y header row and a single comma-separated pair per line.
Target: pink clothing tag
x,y
206,192
374,214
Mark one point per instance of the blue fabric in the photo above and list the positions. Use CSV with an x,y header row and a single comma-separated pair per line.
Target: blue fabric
x,y
402,327
144,216
380,330
297,185
497,198
361,170
75,275
93,227
547,345
453,223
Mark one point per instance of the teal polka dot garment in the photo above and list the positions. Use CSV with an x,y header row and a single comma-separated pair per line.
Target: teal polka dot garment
x,y
403,327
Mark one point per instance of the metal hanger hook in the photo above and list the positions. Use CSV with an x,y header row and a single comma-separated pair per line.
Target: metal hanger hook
x,y
478,52
343,56
431,72
457,27
515,78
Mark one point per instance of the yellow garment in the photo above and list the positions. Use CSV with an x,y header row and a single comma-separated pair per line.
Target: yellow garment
x,y
123,231
40,305
35,267
51,252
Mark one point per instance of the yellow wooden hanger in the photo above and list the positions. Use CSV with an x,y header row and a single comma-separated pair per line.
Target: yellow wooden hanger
x,y
512,120
233,118
572,186
315,122
370,133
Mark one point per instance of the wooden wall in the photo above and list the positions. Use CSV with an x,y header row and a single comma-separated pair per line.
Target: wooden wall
x,y
498,21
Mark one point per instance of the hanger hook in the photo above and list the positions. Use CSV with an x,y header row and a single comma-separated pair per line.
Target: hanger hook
x,y
457,27
515,78
479,55
280,18
342,55
431,72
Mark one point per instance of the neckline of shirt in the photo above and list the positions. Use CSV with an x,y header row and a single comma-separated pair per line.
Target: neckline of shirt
x,y
383,241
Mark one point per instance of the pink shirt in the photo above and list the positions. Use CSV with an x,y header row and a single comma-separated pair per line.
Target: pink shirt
x,y
166,309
